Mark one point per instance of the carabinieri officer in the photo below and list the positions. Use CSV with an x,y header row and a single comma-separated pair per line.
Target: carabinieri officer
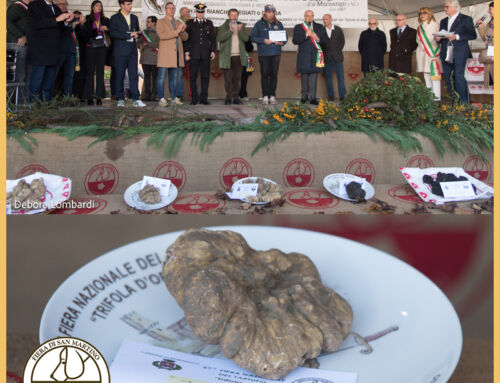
x,y
200,50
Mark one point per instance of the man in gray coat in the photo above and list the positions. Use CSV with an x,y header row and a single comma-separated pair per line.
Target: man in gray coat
x,y
334,58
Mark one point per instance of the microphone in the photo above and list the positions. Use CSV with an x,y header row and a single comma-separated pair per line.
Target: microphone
x,y
480,21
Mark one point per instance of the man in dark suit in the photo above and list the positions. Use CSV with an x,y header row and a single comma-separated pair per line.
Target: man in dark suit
x,y
200,50
403,43
455,48
46,24
124,30
310,37
334,58
372,45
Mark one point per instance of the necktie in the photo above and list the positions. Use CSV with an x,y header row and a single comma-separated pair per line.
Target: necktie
x,y
399,32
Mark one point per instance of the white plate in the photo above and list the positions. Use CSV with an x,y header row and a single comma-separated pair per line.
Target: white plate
x,y
382,290
240,181
330,181
58,191
132,199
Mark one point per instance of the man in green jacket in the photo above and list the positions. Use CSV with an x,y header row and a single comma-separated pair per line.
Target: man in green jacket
x,y
232,54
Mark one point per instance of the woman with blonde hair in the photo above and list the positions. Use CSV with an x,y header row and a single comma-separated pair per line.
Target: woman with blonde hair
x,y
428,60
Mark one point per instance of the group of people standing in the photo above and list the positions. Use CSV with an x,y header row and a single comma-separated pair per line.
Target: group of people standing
x,y
53,40
442,49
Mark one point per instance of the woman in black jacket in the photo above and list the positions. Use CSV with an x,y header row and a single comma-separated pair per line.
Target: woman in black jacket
x,y
96,28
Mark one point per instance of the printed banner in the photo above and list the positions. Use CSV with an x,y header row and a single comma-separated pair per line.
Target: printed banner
x,y
345,13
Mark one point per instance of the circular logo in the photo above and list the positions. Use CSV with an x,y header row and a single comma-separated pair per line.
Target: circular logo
x,y
79,206
172,171
66,359
196,203
299,172
474,67
420,161
477,168
311,199
353,73
363,168
404,193
101,179
31,169
234,170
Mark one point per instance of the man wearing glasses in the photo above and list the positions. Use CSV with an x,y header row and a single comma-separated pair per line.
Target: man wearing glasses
x,y
455,48
403,43
372,45
200,50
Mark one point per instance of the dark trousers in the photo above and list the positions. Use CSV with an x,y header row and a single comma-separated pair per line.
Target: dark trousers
x,y
149,86
42,80
112,81
269,66
244,81
122,64
202,66
232,78
457,83
308,82
96,58
330,66
79,80
66,64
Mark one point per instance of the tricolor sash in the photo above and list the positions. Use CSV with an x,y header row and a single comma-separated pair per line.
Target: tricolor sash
x,y
75,39
148,39
250,67
22,5
432,53
320,57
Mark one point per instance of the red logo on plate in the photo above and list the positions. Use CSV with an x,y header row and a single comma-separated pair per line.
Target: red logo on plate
x,y
31,169
420,161
234,170
89,205
101,179
196,203
361,167
404,193
173,171
353,73
311,199
477,168
298,173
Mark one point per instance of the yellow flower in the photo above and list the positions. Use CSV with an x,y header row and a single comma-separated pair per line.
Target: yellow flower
x,y
266,122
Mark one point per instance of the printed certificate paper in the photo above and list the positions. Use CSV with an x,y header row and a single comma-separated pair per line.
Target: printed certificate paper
x,y
277,35
138,362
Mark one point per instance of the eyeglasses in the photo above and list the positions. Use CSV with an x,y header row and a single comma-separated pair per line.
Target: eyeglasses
x,y
400,19
372,23
423,13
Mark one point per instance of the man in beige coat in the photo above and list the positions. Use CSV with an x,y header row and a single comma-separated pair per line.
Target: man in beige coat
x,y
171,33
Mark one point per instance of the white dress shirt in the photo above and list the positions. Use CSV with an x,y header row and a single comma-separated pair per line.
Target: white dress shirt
x,y
329,31
451,20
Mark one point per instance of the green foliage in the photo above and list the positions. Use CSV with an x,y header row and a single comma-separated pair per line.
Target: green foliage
x,y
399,110
406,100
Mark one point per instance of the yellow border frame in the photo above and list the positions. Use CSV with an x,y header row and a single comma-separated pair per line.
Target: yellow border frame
x,y
3,216
3,221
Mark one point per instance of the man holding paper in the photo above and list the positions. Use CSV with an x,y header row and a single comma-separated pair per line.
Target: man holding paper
x,y
124,30
269,35
309,36
456,31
